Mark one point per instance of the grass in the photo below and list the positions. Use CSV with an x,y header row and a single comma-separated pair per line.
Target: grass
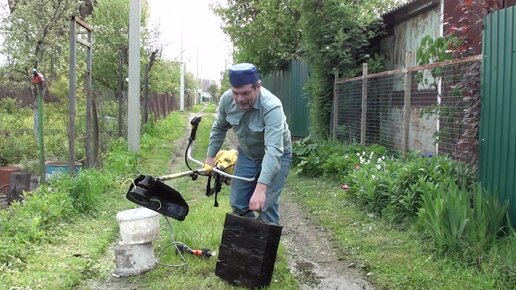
x,y
201,229
76,247
80,254
392,258
80,251
205,108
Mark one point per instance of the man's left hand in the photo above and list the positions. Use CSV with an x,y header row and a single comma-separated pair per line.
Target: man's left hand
x,y
257,202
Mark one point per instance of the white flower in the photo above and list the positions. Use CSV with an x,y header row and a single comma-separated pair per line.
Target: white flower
x,y
383,157
358,154
346,156
378,167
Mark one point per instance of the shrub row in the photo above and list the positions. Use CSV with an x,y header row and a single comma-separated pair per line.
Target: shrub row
x,y
437,195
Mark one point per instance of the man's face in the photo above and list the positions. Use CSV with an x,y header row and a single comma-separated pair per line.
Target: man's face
x,y
245,96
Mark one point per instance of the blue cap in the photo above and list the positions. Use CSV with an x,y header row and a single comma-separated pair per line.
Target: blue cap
x,y
243,74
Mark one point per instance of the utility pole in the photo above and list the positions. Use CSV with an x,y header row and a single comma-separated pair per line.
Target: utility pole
x,y
133,112
182,86
182,81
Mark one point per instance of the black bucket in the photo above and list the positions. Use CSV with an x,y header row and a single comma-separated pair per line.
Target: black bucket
x,y
153,194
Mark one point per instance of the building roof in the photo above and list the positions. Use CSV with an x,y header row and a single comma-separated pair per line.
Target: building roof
x,y
408,10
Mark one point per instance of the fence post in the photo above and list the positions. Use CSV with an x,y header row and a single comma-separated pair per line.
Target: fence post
x,y
18,183
120,92
335,106
363,121
437,122
406,103
145,96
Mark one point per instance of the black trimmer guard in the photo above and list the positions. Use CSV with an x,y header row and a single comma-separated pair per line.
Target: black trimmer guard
x,y
153,194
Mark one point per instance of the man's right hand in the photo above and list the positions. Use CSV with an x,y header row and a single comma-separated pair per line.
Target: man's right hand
x,y
209,161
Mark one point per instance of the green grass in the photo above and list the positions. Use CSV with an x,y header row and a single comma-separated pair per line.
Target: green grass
x,y
392,258
205,108
76,247
201,229
80,253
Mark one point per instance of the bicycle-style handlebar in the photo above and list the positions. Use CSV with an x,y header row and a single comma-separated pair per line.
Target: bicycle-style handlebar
x,y
195,124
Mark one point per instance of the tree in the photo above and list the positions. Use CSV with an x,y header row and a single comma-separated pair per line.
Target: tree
x,y
337,44
330,35
264,32
165,77
224,83
214,91
111,27
34,32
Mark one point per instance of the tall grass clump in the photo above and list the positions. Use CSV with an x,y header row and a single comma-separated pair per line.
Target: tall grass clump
x,y
25,224
462,222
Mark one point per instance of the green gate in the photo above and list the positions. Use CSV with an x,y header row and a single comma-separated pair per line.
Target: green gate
x,y
497,162
288,86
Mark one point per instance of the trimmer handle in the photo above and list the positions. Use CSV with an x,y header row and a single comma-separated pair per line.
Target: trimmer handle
x,y
195,124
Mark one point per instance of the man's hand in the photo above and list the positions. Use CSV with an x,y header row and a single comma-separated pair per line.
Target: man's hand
x,y
210,161
257,202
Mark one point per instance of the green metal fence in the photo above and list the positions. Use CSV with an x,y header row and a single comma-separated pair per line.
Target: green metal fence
x,y
288,86
497,164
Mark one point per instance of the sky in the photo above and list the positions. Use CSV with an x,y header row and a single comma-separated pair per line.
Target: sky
x,y
207,50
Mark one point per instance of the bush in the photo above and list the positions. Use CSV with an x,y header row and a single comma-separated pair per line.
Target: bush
x,y
331,158
394,187
119,160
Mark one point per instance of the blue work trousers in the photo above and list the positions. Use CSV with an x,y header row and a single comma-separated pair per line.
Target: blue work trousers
x,y
241,191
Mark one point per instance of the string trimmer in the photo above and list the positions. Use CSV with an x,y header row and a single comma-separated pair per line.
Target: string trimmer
x,y
152,193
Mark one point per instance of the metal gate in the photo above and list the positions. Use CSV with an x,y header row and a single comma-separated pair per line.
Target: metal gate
x,y
288,86
497,163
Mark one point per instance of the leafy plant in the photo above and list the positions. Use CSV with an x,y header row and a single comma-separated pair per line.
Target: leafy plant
x,y
302,149
85,189
393,188
462,222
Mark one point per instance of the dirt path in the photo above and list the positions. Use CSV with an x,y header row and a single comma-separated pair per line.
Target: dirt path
x,y
309,247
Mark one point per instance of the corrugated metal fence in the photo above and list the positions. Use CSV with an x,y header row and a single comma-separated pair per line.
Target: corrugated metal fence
x,y
498,116
288,86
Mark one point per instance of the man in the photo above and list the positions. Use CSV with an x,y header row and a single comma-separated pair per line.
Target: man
x,y
265,148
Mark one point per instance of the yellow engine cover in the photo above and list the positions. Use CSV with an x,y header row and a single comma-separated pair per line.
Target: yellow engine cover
x,y
225,160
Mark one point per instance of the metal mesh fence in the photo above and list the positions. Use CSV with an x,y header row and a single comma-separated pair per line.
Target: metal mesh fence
x,y
18,126
419,108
